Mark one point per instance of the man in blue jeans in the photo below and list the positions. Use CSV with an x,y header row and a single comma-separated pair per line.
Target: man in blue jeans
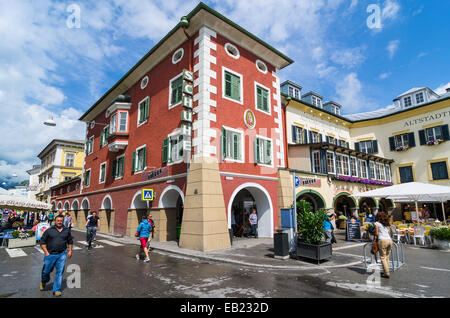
x,y
54,243
253,219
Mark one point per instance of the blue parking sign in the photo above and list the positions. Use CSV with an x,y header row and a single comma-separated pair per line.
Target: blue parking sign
x,y
147,195
297,181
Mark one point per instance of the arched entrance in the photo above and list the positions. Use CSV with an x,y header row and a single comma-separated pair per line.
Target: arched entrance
x,y
59,206
66,206
106,215
386,206
85,206
136,213
314,198
344,204
53,206
367,206
171,205
75,211
243,200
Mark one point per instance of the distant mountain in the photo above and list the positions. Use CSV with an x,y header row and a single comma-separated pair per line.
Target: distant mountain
x,y
7,184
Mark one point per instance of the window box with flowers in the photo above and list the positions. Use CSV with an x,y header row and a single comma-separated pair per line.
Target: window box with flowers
x,y
361,180
434,142
401,148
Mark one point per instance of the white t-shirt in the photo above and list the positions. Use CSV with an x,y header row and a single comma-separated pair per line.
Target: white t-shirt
x,y
383,231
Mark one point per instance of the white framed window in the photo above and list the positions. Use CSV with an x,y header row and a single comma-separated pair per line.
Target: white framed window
x,y
434,133
68,189
388,173
232,51
261,66
316,161
381,173
70,159
298,135
118,167
419,98
87,178
315,138
144,82
123,121
177,56
353,167
113,124
143,111
372,170
90,145
263,151
363,169
366,146
176,91
104,136
102,173
262,98
233,144
139,159
316,101
232,86
401,140
407,101
330,162
176,145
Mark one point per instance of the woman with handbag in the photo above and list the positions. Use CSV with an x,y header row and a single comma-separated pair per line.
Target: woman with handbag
x,y
384,241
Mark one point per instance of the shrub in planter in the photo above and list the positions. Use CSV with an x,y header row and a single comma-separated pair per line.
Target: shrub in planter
x,y
15,234
310,224
442,234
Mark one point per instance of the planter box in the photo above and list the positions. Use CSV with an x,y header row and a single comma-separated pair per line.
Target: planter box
x,y
315,252
15,243
442,245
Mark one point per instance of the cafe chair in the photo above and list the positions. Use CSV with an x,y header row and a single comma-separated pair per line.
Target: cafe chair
x,y
397,235
419,233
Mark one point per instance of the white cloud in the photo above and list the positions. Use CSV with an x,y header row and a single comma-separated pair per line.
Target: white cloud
x,y
392,48
384,75
350,94
390,10
348,58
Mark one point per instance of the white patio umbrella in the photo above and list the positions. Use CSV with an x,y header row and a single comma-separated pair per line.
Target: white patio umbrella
x,y
413,192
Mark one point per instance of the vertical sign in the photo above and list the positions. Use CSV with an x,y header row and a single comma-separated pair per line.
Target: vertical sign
x,y
186,114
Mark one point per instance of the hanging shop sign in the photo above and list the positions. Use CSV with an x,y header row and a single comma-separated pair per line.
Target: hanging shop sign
x,y
186,114
309,182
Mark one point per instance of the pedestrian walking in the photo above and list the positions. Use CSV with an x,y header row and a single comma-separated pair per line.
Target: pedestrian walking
x,y
152,223
383,238
328,230
233,222
332,218
54,242
143,233
50,217
92,224
253,219
43,217
68,220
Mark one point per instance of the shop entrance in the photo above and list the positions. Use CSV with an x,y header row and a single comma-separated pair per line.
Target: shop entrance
x,y
344,205
244,201
315,200
171,218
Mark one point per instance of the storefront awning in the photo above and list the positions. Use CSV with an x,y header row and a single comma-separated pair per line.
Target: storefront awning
x,y
12,201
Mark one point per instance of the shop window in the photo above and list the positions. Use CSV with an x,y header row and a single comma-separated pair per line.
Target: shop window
x,y
263,151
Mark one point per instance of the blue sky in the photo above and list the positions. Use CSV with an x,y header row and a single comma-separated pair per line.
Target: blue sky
x,y
49,69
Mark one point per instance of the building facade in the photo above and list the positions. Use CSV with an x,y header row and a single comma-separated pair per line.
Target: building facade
x,y
198,121
406,142
33,182
60,161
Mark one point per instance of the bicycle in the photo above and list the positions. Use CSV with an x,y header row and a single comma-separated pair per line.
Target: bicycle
x,y
90,238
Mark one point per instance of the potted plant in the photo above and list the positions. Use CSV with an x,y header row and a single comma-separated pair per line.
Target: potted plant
x,y
311,233
441,237
22,238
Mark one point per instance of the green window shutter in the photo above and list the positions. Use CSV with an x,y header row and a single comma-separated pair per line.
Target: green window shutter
x,y
147,108
265,100
144,161
258,146
236,147
165,150
177,89
236,88
114,168
122,165
133,162
268,152
101,138
228,84
259,98
224,143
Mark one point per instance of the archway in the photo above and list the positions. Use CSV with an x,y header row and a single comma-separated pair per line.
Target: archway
x,y
66,206
314,198
136,212
386,206
344,204
75,212
85,206
54,206
59,206
367,206
171,205
106,215
243,200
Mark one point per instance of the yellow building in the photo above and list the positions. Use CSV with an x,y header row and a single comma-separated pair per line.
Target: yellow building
x,y
336,156
60,160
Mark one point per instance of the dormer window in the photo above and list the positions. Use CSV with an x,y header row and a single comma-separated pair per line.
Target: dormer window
x,y
419,98
407,101
316,101
119,122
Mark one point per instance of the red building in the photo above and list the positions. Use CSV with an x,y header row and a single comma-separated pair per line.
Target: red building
x,y
198,121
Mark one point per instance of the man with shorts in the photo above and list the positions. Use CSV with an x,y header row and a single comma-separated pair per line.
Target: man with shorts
x,y
143,232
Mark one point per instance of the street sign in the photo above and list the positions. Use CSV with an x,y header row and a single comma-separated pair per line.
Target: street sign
x,y
297,181
147,195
